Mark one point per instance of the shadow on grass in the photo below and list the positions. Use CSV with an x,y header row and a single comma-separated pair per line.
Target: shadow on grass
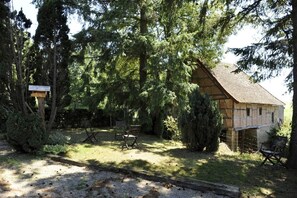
x,y
237,170
17,159
240,170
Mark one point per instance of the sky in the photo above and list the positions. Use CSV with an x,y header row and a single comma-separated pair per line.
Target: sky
x,y
244,37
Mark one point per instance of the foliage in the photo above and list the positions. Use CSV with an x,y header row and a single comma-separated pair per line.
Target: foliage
x,y
56,138
68,118
25,132
51,52
201,124
172,131
14,74
147,58
4,112
286,128
56,144
54,149
275,51
5,52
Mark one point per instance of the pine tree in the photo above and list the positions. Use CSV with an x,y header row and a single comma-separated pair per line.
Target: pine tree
x,y
275,51
15,40
52,48
161,38
201,124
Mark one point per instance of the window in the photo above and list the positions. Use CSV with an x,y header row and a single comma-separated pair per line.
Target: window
x,y
272,117
248,111
260,111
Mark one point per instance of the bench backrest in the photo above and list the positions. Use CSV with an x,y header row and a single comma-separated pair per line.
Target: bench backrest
x,y
134,129
279,143
120,124
85,123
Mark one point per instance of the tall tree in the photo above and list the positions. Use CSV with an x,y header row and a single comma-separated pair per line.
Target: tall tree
x,y
275,51
14,73
52,47
161,37
5,52
21,23
292,159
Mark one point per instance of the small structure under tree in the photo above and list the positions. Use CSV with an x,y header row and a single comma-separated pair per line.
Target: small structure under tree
x,y
40,93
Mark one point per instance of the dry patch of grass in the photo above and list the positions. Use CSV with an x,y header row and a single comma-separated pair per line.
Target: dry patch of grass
x,y
169,158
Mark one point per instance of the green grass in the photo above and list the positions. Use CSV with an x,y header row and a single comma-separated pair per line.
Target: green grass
x,y
16,160
286,127
169,158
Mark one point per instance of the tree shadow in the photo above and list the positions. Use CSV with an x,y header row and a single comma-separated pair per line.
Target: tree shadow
x,y
240,170
70,181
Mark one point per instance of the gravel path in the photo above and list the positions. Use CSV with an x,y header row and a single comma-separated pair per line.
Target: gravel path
x,y
46,178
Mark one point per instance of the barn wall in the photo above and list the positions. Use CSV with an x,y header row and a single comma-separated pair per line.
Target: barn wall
x,y
281,111
269,116
262,135
232,139
242,127
226,109
207,84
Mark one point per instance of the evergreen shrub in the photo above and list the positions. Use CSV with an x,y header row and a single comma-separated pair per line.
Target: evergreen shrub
x,y
3,117
54,149
25,132
57,138
172,131
201,123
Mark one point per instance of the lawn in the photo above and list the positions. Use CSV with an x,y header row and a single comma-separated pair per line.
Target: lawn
x,y
169,158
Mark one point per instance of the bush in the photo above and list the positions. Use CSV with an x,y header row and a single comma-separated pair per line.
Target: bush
x,y
72,118
56,144
172,132
57,138
201,123
3,117
25,133
54,149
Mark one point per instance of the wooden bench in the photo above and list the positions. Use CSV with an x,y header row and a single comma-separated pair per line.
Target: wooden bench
x,y
274,151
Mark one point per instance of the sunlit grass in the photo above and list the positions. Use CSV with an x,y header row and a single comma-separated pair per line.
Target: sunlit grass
x,y
169,158
286,127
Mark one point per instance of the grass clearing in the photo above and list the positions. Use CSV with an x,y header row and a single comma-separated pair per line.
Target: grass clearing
x,y
169,158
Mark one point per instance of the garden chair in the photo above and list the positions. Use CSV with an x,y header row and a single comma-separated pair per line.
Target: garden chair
x,y
120,129
274,151
91,135
130,137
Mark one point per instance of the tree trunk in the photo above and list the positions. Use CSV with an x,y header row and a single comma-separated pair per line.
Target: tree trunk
x,y
143,53
17,88
292,158
19,66
54,89
142,67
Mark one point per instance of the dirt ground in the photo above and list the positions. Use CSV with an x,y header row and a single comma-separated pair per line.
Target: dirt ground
x,y
47,178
